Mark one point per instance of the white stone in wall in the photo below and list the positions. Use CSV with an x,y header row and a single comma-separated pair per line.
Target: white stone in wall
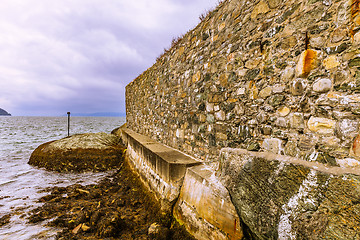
x,y
347,128
220,115
273,145
321,125
283,111
266,92
317,42
348,162
331,62
288,74
322,85
278,88
209,107
180,133
240,91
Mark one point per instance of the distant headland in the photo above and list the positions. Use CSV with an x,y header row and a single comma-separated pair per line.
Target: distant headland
x,y
4,113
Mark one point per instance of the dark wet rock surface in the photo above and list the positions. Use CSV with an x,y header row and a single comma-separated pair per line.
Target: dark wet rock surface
x,y
116,208
5,219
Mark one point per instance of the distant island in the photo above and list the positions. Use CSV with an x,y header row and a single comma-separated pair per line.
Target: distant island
x,y
4,113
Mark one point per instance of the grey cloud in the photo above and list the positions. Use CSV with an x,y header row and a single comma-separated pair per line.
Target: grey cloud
x,y
66,55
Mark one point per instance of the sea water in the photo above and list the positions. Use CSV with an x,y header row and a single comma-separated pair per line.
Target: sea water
x,y
21,185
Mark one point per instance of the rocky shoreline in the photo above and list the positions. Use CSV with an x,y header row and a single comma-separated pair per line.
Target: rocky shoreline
x,y
118,207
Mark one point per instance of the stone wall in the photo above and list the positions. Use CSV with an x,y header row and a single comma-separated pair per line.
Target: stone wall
x,y
269,75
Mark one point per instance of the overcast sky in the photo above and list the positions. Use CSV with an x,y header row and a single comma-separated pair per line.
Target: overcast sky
x,y
78,55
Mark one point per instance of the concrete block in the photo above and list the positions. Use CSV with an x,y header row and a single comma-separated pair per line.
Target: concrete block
x,y
205,207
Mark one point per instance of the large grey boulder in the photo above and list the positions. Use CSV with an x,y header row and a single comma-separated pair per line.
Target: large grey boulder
x,y
80,152
279,197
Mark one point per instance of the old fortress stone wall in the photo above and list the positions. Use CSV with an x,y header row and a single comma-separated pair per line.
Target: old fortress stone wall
x,y
264,97
268,75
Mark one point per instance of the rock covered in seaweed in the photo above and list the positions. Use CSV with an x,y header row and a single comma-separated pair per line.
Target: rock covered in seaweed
x,y
80,152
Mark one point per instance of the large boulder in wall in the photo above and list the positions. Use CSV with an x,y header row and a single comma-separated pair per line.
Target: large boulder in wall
x,y
81,152
279,197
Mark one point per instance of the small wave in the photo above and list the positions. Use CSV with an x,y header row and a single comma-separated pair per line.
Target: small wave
x,y
7,183
22,174
20,184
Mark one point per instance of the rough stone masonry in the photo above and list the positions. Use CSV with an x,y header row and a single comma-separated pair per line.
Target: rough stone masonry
x,y
278,76
271,76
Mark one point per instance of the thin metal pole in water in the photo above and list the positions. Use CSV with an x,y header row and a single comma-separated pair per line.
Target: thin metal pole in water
x,y
68,113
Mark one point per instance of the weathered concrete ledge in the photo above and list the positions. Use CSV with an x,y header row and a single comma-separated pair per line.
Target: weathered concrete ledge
x,y
161,168
203,205
271,195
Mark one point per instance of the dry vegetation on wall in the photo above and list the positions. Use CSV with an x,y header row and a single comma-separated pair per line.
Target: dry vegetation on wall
x,y
265,75
267,92
175,41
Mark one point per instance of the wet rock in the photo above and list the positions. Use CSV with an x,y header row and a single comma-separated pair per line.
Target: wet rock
x,y
285,198
118,207
81,152
5,220
158,232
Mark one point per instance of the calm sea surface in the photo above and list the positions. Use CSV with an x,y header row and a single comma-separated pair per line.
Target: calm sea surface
x,y
21,184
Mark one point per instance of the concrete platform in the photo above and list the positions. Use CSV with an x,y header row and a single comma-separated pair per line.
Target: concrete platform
x,y
185,187
205,208
160,167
